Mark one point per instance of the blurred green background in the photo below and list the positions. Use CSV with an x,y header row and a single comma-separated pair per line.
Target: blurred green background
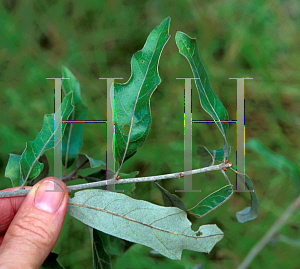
x,y
258,39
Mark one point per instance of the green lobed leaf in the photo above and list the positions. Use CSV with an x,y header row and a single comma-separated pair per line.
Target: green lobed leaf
x,y
51,262
276,161
101,259
87,162
211,202
209,101
72,139
12,170
248,213
164,229
45,172
30,167
170,199
101,175
132,99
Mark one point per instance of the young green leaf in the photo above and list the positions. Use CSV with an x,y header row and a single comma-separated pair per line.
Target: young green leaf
x,y
132,99
248,213
72,139
45,172
30,167
101,259
12,170
85,161
211,202
209,156
165,229
170,199
209,101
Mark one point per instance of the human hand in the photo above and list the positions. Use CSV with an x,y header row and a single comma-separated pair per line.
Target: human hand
x,y
30,226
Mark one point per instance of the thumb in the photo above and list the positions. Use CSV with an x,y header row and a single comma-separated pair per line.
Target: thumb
x,y
35,228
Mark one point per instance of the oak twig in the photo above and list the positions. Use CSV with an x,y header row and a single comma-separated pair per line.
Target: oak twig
x,y
111,181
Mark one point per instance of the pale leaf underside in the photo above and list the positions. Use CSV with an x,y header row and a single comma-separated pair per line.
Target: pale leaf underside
x,y
164,229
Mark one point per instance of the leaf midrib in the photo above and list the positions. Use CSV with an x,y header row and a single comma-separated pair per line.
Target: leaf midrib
x,y
141,223
138,94
41,151
195,68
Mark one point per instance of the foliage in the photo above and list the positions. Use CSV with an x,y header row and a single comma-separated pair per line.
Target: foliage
x,y
165,229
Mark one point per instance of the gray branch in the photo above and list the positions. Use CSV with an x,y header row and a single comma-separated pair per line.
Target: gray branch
x,y
127,180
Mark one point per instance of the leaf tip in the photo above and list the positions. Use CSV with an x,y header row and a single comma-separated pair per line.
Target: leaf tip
x,y
64,69
246,215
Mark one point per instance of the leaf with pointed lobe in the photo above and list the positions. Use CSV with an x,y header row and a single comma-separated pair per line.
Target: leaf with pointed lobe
x,y
164,229
132,100
30,167
209,100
